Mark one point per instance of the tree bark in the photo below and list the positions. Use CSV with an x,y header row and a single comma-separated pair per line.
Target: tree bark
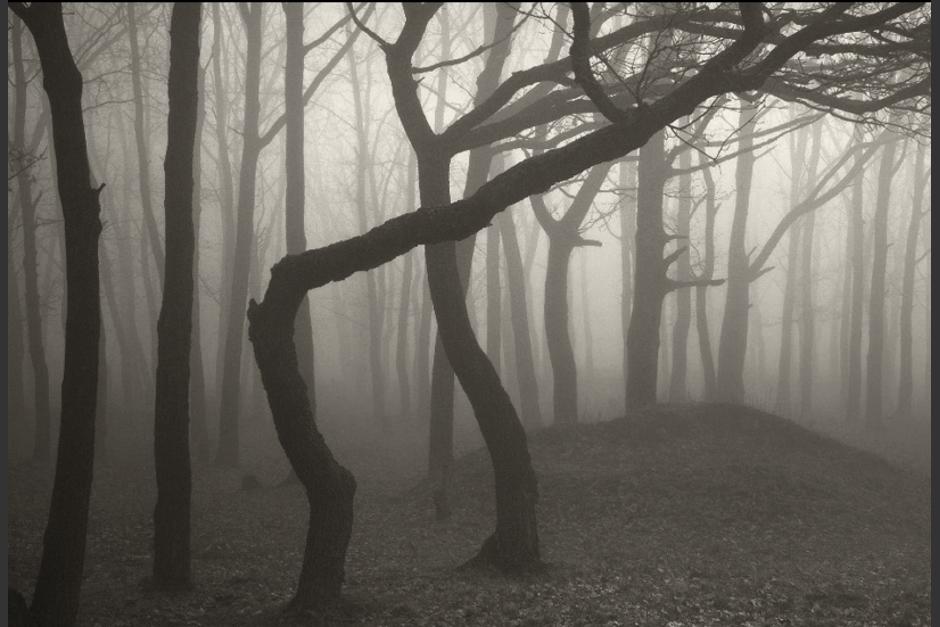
x,y
678,387
171,517
732,345
649,276
28,203
58,586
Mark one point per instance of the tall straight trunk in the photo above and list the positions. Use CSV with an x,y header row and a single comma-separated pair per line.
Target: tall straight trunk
x,y
28,204
376,370
404,310
197,379
519,313
563,237
876,305
857,260
797,156
228,452
845,313
701,291
906,376
294,174
586,322
140,134
171,517
678,387
732,345
130,375
649,276
226,188
58,586
807,324
423,349
627,182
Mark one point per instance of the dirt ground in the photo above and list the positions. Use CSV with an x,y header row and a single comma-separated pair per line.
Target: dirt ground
x,y
682,515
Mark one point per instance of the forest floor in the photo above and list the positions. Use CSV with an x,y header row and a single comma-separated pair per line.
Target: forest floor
x,y
679,515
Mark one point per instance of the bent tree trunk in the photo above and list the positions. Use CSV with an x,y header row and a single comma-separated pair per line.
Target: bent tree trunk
x,y
329,487
58,586
171,517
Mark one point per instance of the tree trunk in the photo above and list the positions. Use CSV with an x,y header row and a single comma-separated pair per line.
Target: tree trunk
x,y
171,517
732,345
294,196
197,381
143,156
28,204
876,306
649,276
58,586
226,188
678,386
228,452
493,297
906,376
628,183
519,312
857,260
701,291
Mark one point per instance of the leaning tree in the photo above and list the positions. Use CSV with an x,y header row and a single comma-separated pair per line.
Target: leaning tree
x,y
760,43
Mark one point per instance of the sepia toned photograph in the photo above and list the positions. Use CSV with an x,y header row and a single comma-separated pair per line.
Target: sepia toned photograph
x,y
468,313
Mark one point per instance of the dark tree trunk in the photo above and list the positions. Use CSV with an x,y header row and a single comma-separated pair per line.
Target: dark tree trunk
x,y
701,291
58,586
493,296
197,379
906,375
678,387
329,487
876,306
649,276
228,452
28,203
732,345
171,517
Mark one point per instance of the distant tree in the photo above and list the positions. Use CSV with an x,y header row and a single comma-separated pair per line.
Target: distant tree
x,y
28,202
58,585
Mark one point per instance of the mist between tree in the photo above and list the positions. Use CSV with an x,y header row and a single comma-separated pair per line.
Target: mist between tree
x,y
516,217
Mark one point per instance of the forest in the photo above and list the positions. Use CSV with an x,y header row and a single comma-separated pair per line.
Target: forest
x,y
468,313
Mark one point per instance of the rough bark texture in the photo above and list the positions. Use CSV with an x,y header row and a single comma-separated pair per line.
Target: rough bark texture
x,y
171,517
58,586
28,204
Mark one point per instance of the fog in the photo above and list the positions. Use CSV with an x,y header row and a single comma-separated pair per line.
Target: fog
x,y
766,246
